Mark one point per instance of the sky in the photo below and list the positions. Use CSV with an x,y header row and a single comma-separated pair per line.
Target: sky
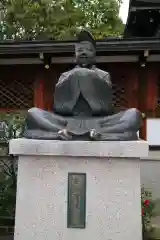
x,y
124,10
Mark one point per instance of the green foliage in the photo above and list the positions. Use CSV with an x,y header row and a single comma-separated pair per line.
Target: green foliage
x,y
8,167
14,122
8,181
147,212
58,19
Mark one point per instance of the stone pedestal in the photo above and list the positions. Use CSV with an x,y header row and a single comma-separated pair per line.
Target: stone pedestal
x,y
113,205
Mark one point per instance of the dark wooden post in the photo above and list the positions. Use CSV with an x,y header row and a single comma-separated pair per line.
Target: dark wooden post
x,y
147,94
50,80
39,91
151,98
132,86
142,99
44,88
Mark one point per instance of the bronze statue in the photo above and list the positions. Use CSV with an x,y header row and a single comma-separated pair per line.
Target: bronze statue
x,y
83,104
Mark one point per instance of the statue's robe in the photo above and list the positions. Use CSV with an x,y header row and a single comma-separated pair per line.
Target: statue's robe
x,y
95,89
82,102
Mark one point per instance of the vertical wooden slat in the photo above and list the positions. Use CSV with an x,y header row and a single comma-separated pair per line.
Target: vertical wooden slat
x,y
119,76
39,91
143,130
148,94
132,86
49,89
152,91
44,88
142,99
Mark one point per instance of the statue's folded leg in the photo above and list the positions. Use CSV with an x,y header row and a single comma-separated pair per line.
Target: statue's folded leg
x,y
119,127
41,124
127,121
38,118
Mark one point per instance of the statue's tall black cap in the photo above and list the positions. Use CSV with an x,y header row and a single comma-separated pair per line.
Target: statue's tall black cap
x,y
85,35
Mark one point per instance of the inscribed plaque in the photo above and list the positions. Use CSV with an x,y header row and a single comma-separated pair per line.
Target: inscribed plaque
x,y
76,200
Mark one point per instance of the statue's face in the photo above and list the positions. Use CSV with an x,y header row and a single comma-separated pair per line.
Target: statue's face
x,y
85,53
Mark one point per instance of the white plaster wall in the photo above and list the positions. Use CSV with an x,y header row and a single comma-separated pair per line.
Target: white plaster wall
x,y
150,176
153,131
113,198
150,173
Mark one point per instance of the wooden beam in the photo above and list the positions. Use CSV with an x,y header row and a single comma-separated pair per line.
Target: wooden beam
x,y
44,88
134,9
148,94
133,86
63,60
99,59
142,99
151,97
39,91
50,80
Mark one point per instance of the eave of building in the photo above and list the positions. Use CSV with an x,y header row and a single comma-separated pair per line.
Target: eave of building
x,y
110,50
61,47
150,10
144,3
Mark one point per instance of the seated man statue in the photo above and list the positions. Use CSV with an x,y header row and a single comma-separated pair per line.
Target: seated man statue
x,y
83,104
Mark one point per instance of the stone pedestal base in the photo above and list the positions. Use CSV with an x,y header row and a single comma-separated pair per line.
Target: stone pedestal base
x,y
113,204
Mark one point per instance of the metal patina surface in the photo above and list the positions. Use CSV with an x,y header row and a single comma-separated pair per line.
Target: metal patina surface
x,y
83,107
76,200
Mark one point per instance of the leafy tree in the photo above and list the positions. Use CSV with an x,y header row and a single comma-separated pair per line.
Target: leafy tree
x,y
58,19
11,126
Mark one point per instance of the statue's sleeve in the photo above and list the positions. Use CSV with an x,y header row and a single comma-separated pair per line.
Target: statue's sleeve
x,y
107,78
62,78
66,93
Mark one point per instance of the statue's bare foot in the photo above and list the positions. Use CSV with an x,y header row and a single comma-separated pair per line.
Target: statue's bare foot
x,y
94,135
64,134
